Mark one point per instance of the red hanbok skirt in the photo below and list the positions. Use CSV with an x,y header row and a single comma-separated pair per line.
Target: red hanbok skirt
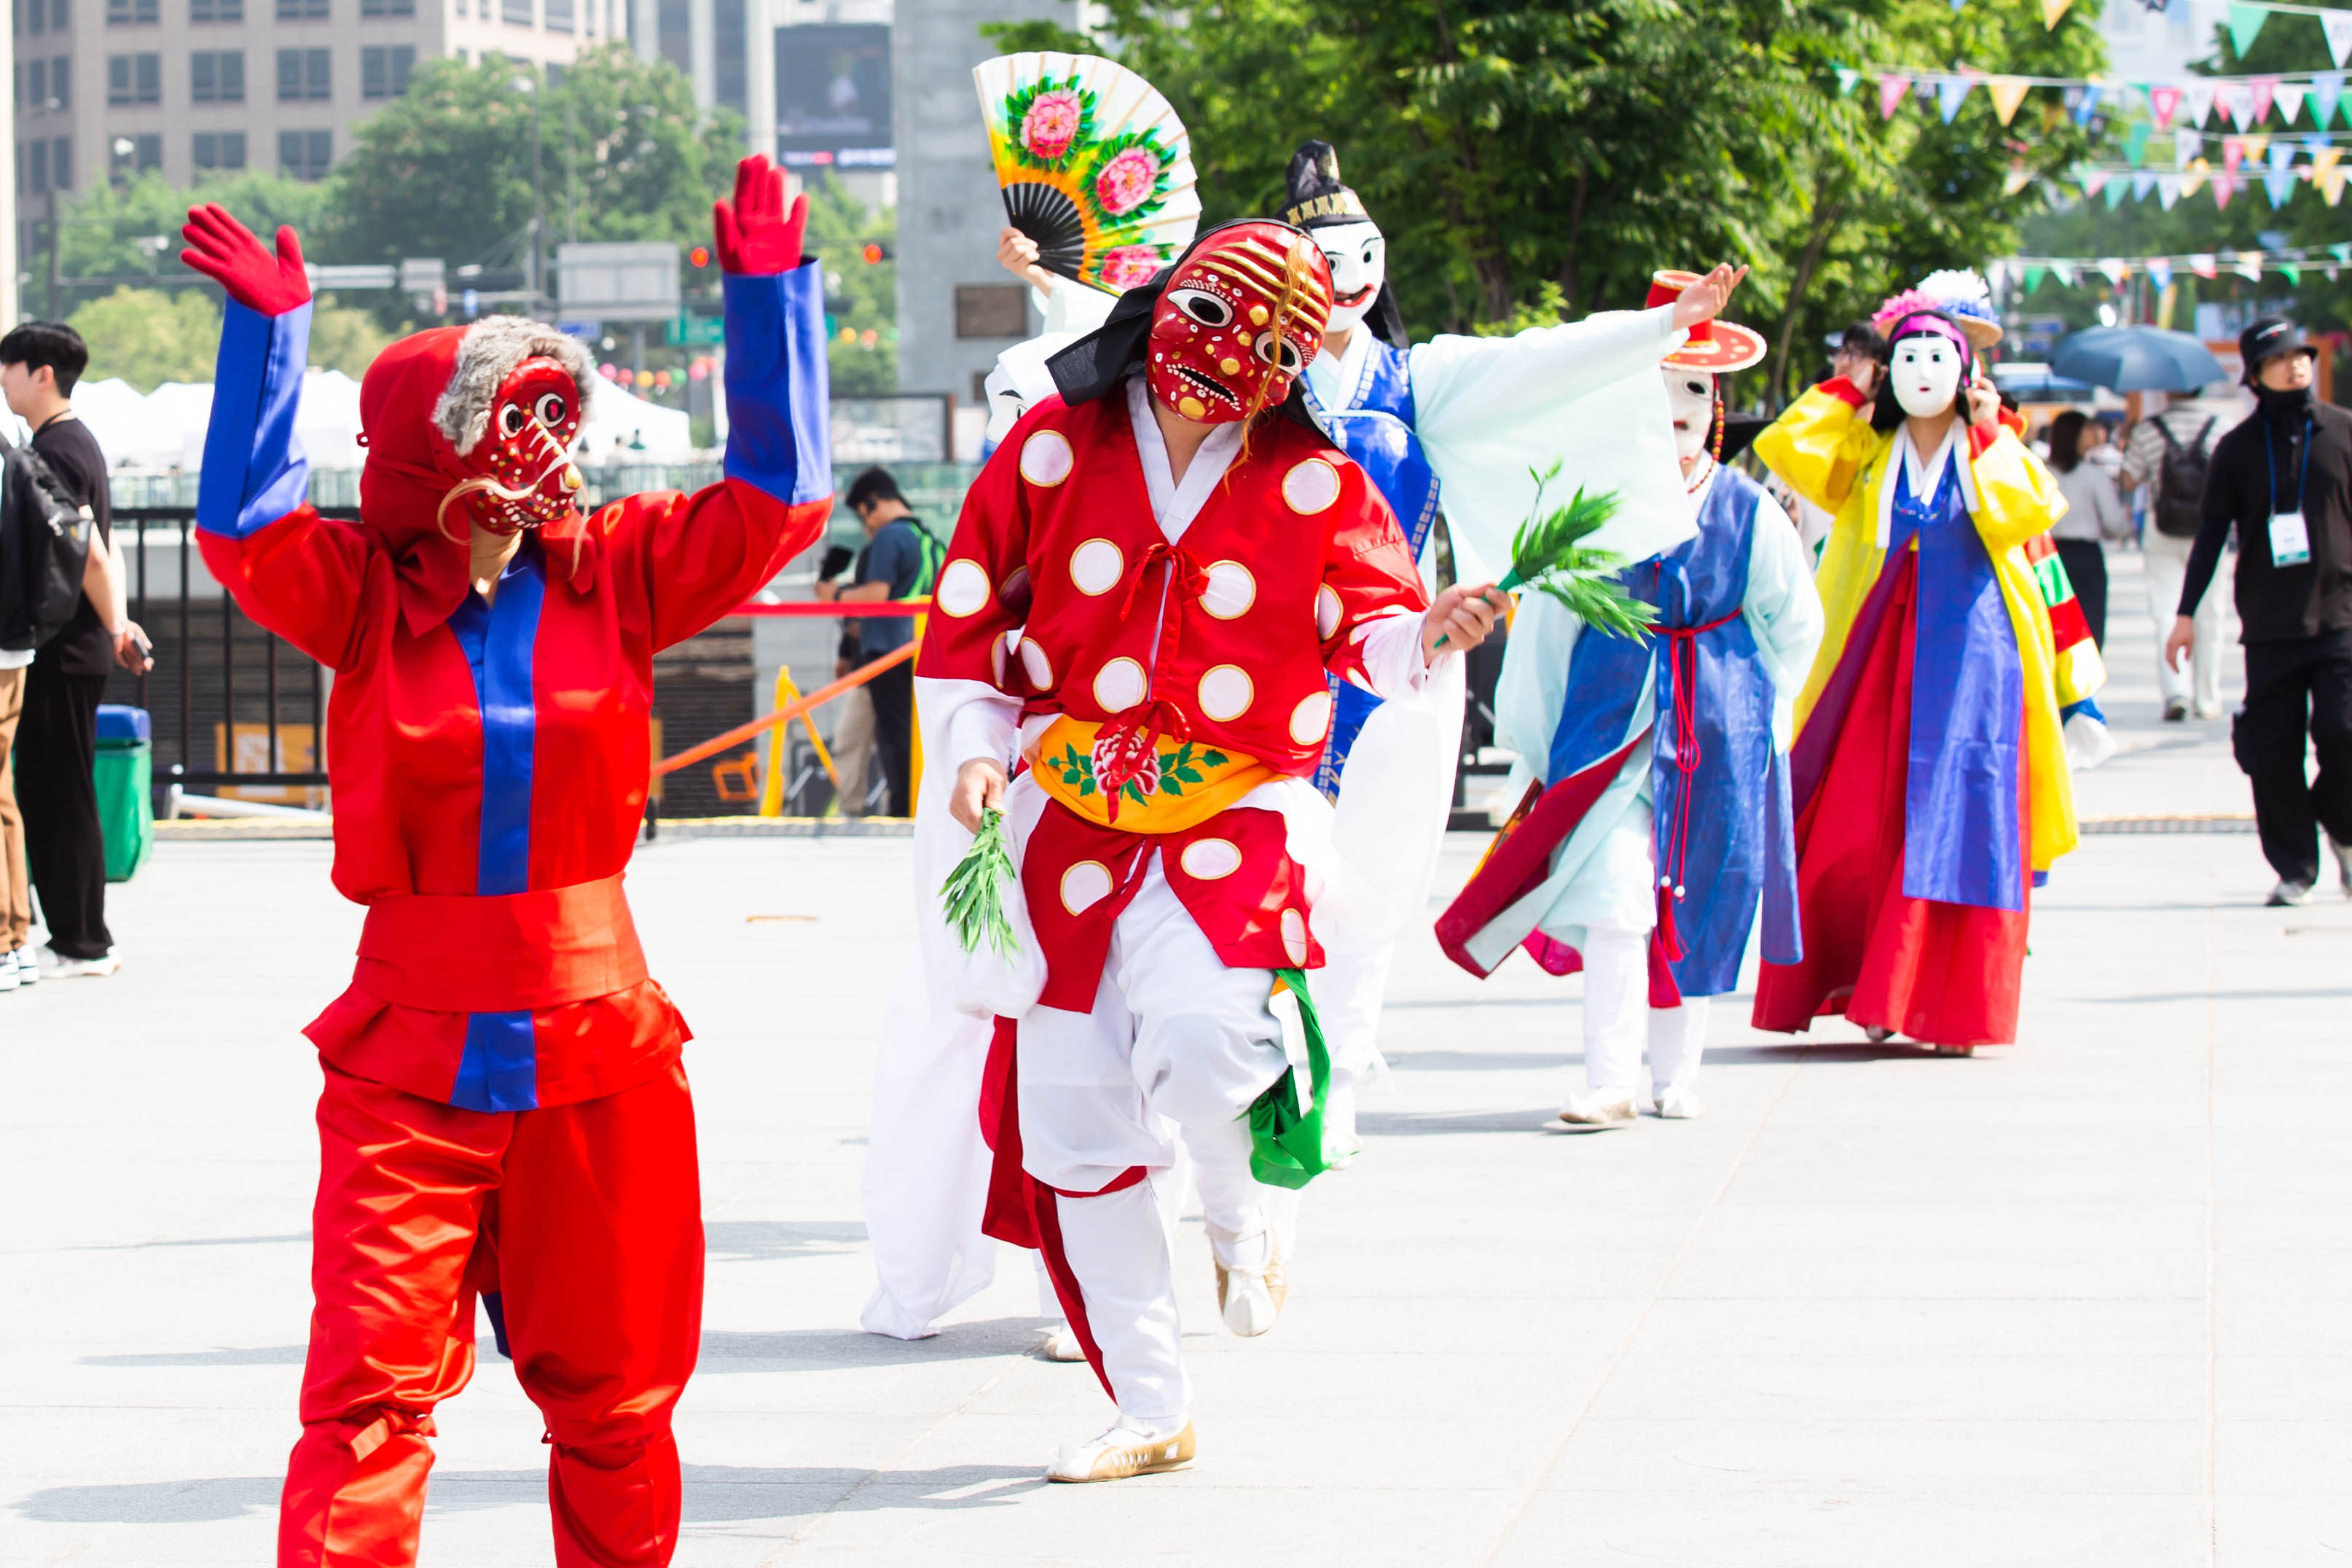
x,y
1940,973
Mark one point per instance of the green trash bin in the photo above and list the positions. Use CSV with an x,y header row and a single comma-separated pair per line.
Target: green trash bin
x,y
126,788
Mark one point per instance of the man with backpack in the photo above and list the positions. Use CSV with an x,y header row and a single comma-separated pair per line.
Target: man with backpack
x,y
901,561
2170,453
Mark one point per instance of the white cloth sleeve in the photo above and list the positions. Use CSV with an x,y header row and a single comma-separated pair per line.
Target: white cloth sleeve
x,y
1393,660
983,723
1783,611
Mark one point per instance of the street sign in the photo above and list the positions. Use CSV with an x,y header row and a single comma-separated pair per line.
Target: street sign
x,y
697,332
627,281
586,331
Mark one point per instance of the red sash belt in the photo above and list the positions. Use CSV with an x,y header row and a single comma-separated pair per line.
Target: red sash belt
x,y
509,954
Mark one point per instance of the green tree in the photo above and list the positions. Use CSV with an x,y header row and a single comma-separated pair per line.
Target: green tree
x,y
860,296
114,232
344,338
148,336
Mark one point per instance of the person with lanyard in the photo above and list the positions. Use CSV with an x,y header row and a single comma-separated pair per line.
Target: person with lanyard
x,y
2284,480
1663,823
900,561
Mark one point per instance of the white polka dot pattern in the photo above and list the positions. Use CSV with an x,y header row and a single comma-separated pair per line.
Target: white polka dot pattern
x,y
1084,885
1046,459
1231,591
1035,665
1310,486
962,590
1310,719
1095,566
1120,685
1225,691
1294,936
1206,859
1327,614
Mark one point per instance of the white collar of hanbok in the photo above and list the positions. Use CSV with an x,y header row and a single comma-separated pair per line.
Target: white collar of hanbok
x,y
1175,505
1923,475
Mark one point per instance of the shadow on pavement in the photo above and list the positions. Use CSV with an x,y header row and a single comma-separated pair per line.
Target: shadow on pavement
x,y
261,1355
763,1241
726,1351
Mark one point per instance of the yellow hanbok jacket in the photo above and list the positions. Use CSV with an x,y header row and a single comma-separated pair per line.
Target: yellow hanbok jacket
x,y
1823,446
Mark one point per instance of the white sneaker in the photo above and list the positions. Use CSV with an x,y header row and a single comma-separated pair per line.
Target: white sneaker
x,y
1250,1300
9,979
2343,862
1598,1108
28,965
1876,1035
1122,1452
60,967
1935,1050
1061,1345
2289,893
1681,1105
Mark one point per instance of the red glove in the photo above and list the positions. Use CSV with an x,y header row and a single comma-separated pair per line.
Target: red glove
x,y
225,251
755,235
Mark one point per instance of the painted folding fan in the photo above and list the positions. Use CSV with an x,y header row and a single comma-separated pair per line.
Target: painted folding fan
x,y
1093,163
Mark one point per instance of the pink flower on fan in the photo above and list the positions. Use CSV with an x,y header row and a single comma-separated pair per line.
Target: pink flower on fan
x,y
1051,124
1128,181
1126,265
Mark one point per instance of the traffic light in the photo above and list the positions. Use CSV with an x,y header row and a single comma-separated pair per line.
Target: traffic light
x,y
699,255
875,254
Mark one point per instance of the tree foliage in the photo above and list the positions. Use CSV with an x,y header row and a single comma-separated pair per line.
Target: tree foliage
x,y
150,336
860,296
1507,146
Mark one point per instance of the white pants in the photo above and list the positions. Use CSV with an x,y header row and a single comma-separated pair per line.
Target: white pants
x,y
1616,999
1177,1045
2168,564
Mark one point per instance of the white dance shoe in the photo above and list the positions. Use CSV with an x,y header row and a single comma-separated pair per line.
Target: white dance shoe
x,y
1598,1108
1681,1105
1061,1345
1250,1299
1122,1452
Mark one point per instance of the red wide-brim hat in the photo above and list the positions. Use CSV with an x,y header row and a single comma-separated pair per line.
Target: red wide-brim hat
x,y
1713,345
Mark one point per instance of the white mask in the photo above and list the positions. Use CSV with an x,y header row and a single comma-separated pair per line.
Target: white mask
x,y
1925,373
1690,398
1359,257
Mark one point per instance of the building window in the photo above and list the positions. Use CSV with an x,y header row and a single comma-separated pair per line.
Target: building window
x,y
135,155
218,77
61,82
301,10
559,16
216,10
40,151
387,7
383,72
132,12
515,13
224,150
61,162
305,155
32,85
57,15
134,78
304,74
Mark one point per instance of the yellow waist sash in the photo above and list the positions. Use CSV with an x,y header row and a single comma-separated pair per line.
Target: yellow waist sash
x,y
1195,782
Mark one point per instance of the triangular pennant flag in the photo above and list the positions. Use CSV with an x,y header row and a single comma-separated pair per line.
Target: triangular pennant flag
x,y
2238,99
2016,180
2331,185
2315,142
2337,24
2224,187
2329,272
2293,273
2198,96
2233,153
2257,145
2281,154
1847,76
2007,93
1923,90
2116,194
2245,21
1951,91
2264,88
2159,271
2163,101
2034,276
2249,267
2142,184
2326,91
2168,190
2289,97
2280,185
2052,10
2087,105
1891,89
2115,270
2204,266
2342,251
2093,179
2135,143
2194,177
2186,145
2064,271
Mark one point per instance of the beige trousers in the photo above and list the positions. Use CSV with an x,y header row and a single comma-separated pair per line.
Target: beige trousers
x,y
853,745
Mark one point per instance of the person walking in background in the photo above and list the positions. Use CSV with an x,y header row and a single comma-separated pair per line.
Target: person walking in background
x,y
852,713
2169,453
56,738
2095,513
900,560
2284,480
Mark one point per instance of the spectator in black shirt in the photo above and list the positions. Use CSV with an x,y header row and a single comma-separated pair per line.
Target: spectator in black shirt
x,y
2284,480
900,560
57,739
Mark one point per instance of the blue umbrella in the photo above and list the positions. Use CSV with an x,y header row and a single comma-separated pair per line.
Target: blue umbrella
x,y
2137,359
2027,380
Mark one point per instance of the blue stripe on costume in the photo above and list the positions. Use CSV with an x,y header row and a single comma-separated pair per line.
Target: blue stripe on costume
x,y
1376,430
254,470
500,1068
777,386
1962,842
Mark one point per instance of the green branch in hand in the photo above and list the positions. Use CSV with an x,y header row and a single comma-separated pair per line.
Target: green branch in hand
x,y
974,895
1548,554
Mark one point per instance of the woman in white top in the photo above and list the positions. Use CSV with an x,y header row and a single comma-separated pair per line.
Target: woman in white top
x,y
2095,511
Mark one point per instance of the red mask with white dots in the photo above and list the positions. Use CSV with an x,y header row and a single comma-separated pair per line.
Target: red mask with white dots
x,y
1237,321
522,471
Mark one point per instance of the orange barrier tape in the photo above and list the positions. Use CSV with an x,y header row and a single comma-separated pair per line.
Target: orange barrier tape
x,y
788,712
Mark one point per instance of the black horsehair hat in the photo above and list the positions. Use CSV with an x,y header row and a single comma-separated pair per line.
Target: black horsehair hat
x,y
1316,199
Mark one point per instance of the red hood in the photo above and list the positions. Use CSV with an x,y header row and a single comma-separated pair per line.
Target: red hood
x,y
411,464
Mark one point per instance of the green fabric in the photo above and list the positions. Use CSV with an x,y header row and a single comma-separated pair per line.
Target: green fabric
x,y
1285,1142
125,777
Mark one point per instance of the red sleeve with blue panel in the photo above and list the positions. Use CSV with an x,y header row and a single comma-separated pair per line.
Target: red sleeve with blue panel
x,y
292,571
696,557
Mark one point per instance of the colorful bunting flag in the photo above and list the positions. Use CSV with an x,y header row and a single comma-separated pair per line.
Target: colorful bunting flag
x,y
1891,89
2116,194
2342,252
2115,269
2197,96
2263,88
2233,153
2159,271
2016,180
2327,91
2163,101
2236,99
2143,183
2279,185
2203,265
2007,93
2064,271
2186,145
2168,190
2034,276
2289,97
2331,185
2249,267
2337,26
2281,154
2135,143
1846,77
2094,179
2289,270
2224,187
1951,91
2052,10
2245,22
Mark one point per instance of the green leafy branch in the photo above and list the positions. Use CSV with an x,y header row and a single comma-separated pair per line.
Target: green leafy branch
x,y
1548,554
974,895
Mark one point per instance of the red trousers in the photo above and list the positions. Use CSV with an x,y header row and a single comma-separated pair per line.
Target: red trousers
x,y
588,1218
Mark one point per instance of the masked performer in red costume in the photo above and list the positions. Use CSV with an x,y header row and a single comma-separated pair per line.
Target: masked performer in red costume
x,y
504,1104
1147,586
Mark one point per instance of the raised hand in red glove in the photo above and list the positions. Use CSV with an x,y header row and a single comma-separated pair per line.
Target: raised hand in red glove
x,y
225,251
756,236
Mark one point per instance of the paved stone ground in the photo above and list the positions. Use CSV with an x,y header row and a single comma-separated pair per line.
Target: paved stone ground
x,y
2087,1301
